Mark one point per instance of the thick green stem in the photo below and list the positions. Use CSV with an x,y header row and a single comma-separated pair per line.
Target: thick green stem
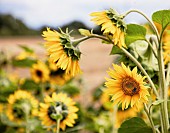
x,y
150,118
142,69
163,91
58,126
168,76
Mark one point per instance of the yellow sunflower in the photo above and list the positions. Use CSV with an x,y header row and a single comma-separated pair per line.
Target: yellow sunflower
x,y
62,52
19,104
40,72
23,55
126,87
166,52
111,23
58,103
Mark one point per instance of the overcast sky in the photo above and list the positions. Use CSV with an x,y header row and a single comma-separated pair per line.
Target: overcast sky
x,y
36,13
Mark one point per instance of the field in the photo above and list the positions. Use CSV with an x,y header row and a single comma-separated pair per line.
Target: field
x,y
95,59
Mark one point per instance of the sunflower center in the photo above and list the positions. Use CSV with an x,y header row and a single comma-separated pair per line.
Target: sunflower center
x,y
18,113
61,108
39,73
130,86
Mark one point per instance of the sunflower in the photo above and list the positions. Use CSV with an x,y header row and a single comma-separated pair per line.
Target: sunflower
x,y
126,87
58,76
62,52
58,102
166,53
40,72
19,104
122,115
112,24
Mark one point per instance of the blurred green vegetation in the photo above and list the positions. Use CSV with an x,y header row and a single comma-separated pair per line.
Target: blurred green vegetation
x,y
10,26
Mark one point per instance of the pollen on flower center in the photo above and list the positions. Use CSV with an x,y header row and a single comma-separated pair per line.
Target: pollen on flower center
x,y
130,86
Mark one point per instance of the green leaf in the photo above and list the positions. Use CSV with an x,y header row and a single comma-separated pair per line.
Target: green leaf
x,y
134,32
24,63
162,17
134,125
84,32
27,49
115,50
30,85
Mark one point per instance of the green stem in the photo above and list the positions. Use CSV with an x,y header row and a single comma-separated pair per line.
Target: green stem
x,y
58,126
153,50
163,91
150,21
168,76
142,69
150,118
78,41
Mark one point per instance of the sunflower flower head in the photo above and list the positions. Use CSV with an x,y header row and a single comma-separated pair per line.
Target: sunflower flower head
x,y
40,72
21,104
58,104
112,25
126,87
62,51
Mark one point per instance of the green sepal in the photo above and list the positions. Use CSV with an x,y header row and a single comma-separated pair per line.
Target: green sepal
x,y
134,125
56,116
134,32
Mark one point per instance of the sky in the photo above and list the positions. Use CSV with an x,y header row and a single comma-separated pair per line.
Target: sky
x,y
55,13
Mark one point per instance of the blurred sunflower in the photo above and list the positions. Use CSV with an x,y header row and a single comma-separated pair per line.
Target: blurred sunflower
x,y
58,103
112,24
166,52
62,51
23,55
40,72
58,76
1,108
105,101
126,87
20,104
122,115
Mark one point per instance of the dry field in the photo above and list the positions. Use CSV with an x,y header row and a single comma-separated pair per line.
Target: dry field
x,y
95,59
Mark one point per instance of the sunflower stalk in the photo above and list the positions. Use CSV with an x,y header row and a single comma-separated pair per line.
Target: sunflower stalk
x,y
150,118
163,91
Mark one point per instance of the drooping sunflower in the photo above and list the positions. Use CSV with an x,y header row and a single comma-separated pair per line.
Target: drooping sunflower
x,y
112,24
62,51
126,87
19,104
40,72
58,103
166,52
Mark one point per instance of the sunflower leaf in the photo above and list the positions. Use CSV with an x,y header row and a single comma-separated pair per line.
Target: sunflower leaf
x,y
134,32
23,63
27,49
162,17
115,50
134,125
